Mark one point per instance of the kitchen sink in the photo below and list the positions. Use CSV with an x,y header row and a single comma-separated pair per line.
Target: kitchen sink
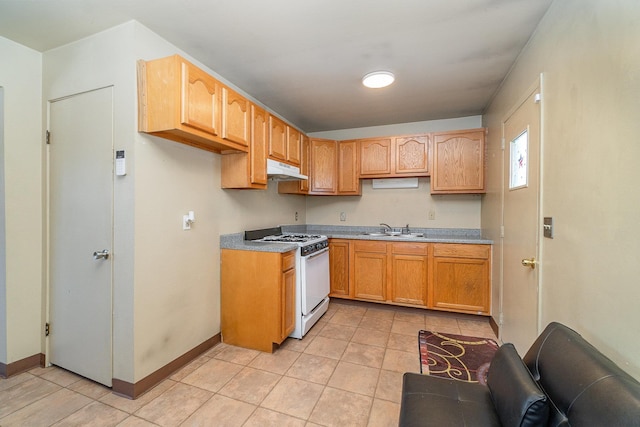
x,y
411,235
374,234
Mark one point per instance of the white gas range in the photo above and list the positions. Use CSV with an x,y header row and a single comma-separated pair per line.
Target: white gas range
x,y
312,273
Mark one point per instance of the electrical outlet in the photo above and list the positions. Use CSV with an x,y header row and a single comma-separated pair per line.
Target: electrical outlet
x,y
343,216
432,215
296,216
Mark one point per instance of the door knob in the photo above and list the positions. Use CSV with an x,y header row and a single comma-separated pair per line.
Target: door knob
x,y
529,263
103,254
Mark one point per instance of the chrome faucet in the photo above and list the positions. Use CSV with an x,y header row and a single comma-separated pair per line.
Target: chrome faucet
x,y
406,229
386,226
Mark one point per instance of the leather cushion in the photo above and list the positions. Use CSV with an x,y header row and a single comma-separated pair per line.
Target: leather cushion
x,y
442,402
516,397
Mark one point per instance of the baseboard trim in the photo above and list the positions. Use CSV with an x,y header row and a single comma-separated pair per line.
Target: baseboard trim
x,y
133,391
22,365
494,326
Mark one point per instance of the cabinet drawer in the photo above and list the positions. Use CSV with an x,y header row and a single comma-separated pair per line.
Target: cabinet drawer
x,y
461,250
288,260
410,248
370,246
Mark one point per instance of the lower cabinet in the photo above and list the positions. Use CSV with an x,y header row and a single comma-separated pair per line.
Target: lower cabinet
x,y
440,276
461,278
257,298
339,267
409,273
370,270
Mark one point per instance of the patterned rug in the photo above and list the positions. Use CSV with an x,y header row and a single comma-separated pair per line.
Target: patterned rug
x,y
458,357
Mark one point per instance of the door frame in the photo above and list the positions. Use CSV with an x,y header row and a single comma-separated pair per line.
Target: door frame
x,y
46,342
539,82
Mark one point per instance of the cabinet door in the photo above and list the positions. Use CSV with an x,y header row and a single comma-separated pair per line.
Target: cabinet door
x,y
348,177
200,100
235,117
461,284
409,273
370,270
323,166
339,268
458,162
288,312
376,157
259,143
412,155
304,163
293,145
277,138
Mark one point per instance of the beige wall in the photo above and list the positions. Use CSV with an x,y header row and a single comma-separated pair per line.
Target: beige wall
x,y
21,202
166,280
398,207
589,53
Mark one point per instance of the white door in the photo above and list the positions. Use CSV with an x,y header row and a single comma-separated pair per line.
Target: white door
x,y
521,221
80,216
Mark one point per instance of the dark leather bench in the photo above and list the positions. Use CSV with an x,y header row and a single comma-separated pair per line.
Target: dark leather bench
x,y
561,381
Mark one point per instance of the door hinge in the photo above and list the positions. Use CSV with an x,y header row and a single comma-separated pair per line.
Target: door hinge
x,y
501,319
502,143
47,329
502,231
537,98
47,137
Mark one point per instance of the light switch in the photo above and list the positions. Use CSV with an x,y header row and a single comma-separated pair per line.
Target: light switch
x,y
548,227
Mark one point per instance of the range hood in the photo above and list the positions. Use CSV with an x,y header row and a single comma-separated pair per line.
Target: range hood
x,y
283,172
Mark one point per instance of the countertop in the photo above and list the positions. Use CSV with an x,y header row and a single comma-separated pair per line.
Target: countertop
x,y
430,235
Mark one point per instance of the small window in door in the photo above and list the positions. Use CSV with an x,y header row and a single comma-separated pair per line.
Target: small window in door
x,y
519,164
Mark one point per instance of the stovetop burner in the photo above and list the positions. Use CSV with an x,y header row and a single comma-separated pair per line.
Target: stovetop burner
x,y
275,234
297,238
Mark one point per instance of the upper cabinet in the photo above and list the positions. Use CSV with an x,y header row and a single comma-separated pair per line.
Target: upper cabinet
x,y
249,170
179,101
405,156
458,162
284,142
332,168
235,117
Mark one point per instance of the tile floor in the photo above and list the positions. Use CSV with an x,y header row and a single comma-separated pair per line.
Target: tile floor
x,y
347,371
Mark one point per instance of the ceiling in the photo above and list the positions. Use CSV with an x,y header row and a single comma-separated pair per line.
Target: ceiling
x,y
304,59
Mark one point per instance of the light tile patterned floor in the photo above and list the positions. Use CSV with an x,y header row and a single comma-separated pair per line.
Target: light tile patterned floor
x,y
346,372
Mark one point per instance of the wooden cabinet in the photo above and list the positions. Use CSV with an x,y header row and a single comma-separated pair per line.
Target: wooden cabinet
x,y
440,276
339,268
461,278
369,272
257,298
333,169
411,155
293,145
458,162
236,117
409,273
348,170
249,170
376,157
324,162
284,141
402,156
299,186
181,102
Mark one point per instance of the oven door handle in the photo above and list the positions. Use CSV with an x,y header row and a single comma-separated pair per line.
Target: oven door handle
x,y
315,254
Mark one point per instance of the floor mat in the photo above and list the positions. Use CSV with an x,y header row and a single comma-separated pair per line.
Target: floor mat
x,y
458,357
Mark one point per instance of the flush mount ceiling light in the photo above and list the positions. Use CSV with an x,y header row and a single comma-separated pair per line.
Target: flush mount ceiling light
x,y
378,79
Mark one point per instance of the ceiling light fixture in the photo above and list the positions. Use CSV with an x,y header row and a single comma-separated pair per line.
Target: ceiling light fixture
x,y
378,79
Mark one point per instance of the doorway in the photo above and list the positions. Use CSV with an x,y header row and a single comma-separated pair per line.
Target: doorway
x,y
521,219
80,203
